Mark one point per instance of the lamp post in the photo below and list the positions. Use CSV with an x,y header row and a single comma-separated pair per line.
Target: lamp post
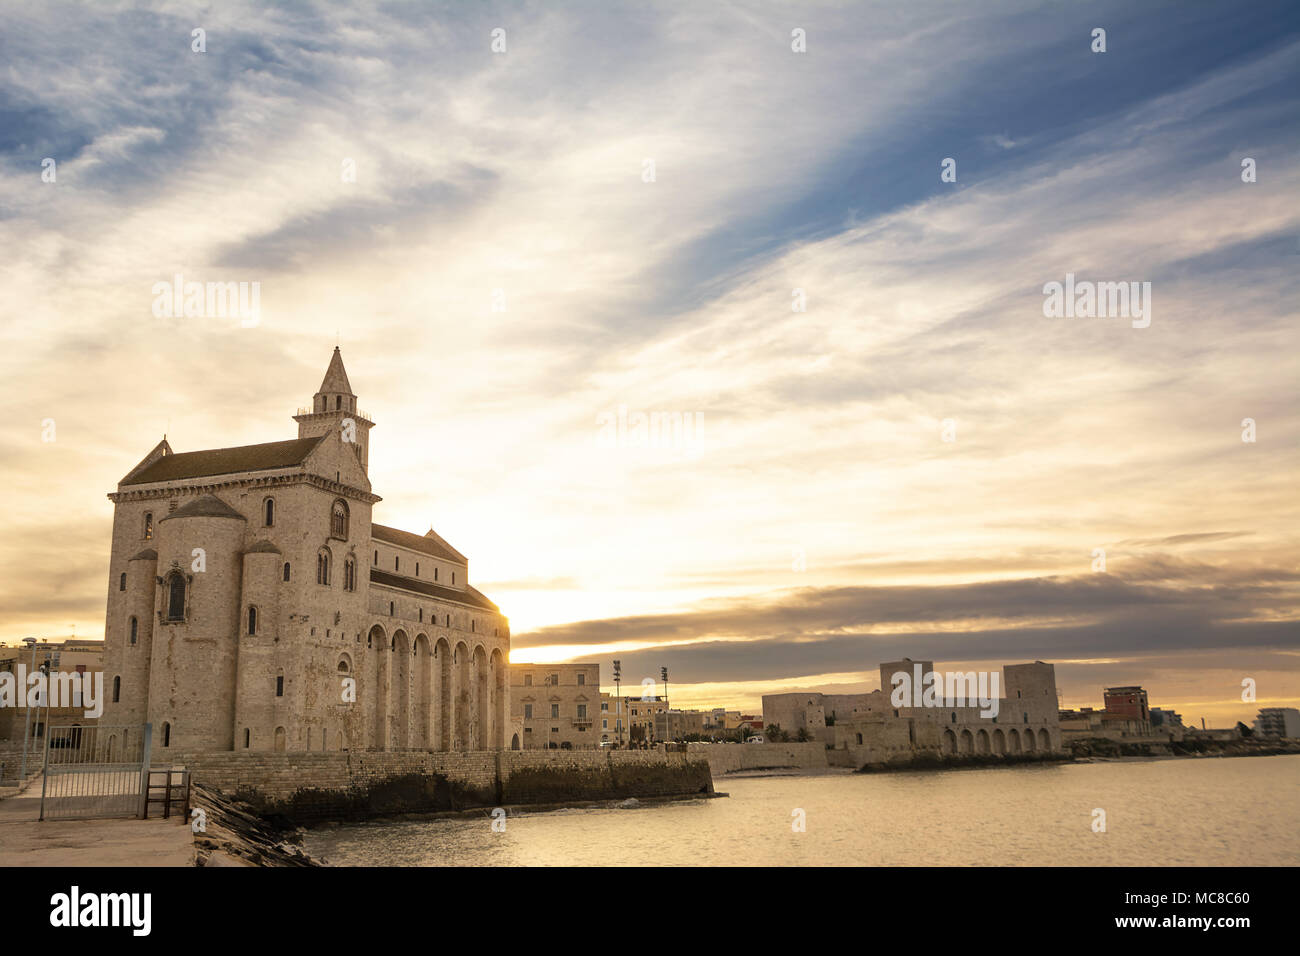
x,y
618,701
668,731
27,721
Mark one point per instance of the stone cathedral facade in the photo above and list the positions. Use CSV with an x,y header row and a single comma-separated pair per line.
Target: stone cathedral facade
x,y
254,605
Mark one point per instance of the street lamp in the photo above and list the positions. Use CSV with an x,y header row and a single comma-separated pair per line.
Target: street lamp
x,y
618,700
663,674
27,722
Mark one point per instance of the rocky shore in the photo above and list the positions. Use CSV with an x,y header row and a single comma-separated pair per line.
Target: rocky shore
x,y
232,833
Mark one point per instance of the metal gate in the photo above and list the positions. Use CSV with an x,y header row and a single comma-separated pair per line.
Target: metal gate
x,y
100,771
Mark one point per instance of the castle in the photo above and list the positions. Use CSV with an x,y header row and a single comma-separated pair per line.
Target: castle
x,y
865,728
254,605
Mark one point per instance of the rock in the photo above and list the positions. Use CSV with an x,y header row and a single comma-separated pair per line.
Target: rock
x,y
630,803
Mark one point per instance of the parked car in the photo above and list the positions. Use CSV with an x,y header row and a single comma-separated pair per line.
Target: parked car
x,y
756,739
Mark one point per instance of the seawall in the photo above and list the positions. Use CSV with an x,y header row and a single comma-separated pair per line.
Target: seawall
x,y
730,758
312,787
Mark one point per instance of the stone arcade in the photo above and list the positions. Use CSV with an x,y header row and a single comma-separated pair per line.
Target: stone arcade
x,y
254,605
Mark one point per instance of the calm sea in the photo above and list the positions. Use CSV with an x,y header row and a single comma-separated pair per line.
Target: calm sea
x,y
1240,811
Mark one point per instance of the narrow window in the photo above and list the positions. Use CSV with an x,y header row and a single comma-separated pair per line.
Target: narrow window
x,y
121,582
376,559
349,575
528,680
252,620
338,403
555,710
417,569
148,525
323,568
421,615
582,679
117,689
279,685
135,629
453,577
286,570
435,574
176,597
528,711
247,738
270,512
167,734
390,608
397,562
339,521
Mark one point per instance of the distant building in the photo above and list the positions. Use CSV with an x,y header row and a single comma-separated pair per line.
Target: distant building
x,y
69,656
812,712
1278,722
641,713
1163,721
1129,702
558,704
677,724
868,728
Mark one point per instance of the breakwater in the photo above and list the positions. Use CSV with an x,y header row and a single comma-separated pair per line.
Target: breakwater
x,y
313,787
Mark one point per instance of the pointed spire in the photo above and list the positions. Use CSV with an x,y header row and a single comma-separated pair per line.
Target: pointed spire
x,y
335,381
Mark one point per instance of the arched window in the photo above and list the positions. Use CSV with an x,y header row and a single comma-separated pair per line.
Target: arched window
x,y
176,597
338,404
135,629
252,619
344,666
269,512
286,570
121,582
339,520
148,525
167,734
323,567
117,689
349,574
279,684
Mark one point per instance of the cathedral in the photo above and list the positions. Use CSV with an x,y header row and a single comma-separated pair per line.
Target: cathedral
x,y
254,605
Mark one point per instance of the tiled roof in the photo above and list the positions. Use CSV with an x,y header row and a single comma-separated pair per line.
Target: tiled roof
x,y
207,506
468,596
227,461
428,544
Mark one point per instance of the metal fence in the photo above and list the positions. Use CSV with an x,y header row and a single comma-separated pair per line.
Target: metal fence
x,y
99,771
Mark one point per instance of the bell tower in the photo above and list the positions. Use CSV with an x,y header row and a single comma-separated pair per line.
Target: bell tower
x,y
334,407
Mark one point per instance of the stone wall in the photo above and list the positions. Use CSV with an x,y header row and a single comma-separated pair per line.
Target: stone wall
x,y
729,758
335,786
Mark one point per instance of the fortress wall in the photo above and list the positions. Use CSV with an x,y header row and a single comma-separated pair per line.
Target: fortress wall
x,y
728,758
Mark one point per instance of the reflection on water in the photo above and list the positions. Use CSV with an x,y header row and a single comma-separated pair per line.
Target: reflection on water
x,y
1239,811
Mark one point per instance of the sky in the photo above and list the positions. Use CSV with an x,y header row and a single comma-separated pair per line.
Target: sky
x,y
877,444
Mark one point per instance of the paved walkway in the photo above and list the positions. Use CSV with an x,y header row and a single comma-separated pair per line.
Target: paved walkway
x,y
26,841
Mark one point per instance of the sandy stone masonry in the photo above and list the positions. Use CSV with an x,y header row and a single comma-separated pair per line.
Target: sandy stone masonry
x,y
253,604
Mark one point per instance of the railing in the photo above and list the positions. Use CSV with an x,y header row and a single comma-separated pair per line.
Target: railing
x,y
364,416
95,771
174,789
